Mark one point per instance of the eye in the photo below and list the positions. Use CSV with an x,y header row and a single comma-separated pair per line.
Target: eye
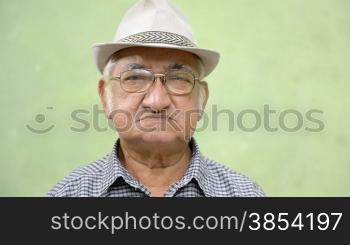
x,y
185,79
136,75
133,77
181,77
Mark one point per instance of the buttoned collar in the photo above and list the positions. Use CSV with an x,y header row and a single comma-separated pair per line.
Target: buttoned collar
x,y
197,170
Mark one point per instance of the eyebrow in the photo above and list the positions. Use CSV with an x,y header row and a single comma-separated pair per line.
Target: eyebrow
x,y
174,66
171,66
135,66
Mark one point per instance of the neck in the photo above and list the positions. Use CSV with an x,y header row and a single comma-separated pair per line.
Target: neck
x,y
156,167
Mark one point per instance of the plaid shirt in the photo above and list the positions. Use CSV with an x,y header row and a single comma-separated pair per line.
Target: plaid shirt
x,y
108,178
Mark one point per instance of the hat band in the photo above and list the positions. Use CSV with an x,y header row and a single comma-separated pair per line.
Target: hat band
x,y
159,37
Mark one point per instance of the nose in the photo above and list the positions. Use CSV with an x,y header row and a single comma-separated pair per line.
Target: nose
x,y
157,97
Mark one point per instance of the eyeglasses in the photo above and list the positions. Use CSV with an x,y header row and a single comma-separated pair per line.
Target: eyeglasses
x,y
140,80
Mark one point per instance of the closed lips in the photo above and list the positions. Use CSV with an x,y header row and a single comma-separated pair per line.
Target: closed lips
x,y
155,117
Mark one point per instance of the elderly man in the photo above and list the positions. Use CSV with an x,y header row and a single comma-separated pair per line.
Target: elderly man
x,y
152,89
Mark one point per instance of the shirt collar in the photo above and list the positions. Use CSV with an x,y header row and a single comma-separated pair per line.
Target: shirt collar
x,y
197,169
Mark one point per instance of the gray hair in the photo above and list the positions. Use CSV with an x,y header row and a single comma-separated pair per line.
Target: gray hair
x,y
113,60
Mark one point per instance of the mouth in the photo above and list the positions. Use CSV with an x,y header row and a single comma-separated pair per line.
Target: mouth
x,y
155,118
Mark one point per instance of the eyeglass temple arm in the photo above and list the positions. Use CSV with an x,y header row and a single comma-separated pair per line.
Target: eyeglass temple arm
x,y
115,78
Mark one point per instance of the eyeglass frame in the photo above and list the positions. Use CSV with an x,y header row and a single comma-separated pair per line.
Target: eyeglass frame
x,y
155,75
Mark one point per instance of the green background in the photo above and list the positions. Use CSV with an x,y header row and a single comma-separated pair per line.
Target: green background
x,y
290,54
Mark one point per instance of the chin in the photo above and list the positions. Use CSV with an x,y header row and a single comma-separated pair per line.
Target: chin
x,y
161,137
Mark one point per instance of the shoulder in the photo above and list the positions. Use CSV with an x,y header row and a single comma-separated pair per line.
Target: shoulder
x,y
226,182
80,182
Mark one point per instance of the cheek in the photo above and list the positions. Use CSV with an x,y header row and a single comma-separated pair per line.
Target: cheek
x,y
122,107
116,99
189,113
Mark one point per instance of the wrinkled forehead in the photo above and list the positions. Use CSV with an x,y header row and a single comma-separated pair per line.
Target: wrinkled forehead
x,y
156,58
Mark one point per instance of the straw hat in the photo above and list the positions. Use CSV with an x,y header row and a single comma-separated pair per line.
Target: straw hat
x,y
154,23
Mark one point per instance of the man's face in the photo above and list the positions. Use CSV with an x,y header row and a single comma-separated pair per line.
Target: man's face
x,y
153,116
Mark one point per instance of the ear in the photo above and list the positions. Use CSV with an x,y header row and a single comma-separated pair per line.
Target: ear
x,y
103,96
204,84
206,93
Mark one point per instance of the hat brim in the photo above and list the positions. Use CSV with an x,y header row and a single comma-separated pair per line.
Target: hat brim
x,y
103,51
